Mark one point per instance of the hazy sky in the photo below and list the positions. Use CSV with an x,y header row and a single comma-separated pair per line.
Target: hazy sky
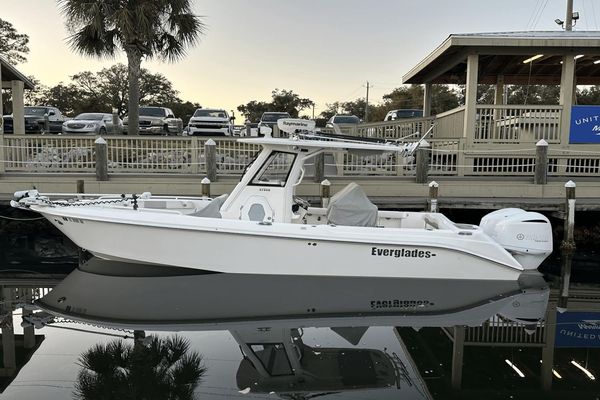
x,y
322,49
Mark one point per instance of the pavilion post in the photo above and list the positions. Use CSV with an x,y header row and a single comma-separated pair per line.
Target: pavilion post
x,y
427,95
18,88
470,118
567,90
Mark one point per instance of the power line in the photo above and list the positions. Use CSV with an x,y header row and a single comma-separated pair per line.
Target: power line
x,y
541,13
533,14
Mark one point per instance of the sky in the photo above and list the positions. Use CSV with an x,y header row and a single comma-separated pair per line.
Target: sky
x,y
325,50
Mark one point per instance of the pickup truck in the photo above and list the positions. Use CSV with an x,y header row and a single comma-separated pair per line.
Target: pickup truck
x,y
210,121
157,121
34,120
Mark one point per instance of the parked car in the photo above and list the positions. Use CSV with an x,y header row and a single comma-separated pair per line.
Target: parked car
x,y
269,119
157,121
210,121
93,123
34,120
343,119
403,113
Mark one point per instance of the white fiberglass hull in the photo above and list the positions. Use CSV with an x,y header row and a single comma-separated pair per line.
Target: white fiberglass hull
x,y
246,247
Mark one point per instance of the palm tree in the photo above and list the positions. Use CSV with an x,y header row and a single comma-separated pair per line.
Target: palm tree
x,y
143,29
164,369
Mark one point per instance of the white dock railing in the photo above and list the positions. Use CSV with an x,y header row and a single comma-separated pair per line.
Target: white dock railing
x,y
187,155
517,124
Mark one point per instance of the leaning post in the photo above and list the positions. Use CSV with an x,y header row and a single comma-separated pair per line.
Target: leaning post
x,y
205,187
325,193
423,162
541,163
433,196
210,156
101,159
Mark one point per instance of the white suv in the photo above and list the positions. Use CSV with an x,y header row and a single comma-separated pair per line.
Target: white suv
x,y
210,121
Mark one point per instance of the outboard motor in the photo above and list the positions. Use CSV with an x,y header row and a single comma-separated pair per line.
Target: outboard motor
x,y
527,236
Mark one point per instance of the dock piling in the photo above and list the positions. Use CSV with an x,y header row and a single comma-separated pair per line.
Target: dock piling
x,y
423,162
541,163
569,240
205,187
101,150
46,123
210,156
80,186
432,202
115,122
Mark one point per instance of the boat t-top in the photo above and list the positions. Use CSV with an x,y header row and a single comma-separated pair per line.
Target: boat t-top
x,y
262,227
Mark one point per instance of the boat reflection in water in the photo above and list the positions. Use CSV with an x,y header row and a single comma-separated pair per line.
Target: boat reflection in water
x,y
151,297
269,317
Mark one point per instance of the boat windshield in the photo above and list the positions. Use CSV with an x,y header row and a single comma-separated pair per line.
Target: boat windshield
x,y
273,358
276,170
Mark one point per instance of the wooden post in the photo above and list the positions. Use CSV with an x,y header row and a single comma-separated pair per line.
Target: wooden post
x,y
548,349
423,162
115,122
470,119
568,243
319,167
433,196
8,332
210,156
458,347
17,88
205,187
248,128
325,193
565,281
46,123
29,330
101,159
427,92
80,186
541,163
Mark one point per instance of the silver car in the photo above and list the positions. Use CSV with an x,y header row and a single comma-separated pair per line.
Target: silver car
x,y
92,124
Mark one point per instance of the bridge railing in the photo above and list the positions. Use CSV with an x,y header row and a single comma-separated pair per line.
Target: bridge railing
x,y
187,155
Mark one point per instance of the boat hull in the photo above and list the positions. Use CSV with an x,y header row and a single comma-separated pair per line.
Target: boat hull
x,y
312,251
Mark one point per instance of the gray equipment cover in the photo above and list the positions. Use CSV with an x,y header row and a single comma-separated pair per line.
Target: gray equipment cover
x,y
212,210
351,206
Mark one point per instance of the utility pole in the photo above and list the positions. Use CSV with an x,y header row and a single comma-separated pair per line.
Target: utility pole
x,y
569,17
313,107
367,104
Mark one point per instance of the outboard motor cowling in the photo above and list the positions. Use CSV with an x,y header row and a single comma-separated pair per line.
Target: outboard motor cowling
x,y
526,235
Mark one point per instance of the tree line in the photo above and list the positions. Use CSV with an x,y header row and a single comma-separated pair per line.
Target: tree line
x,y
124,87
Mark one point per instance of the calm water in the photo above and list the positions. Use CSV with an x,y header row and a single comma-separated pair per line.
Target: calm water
x,y
214,336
